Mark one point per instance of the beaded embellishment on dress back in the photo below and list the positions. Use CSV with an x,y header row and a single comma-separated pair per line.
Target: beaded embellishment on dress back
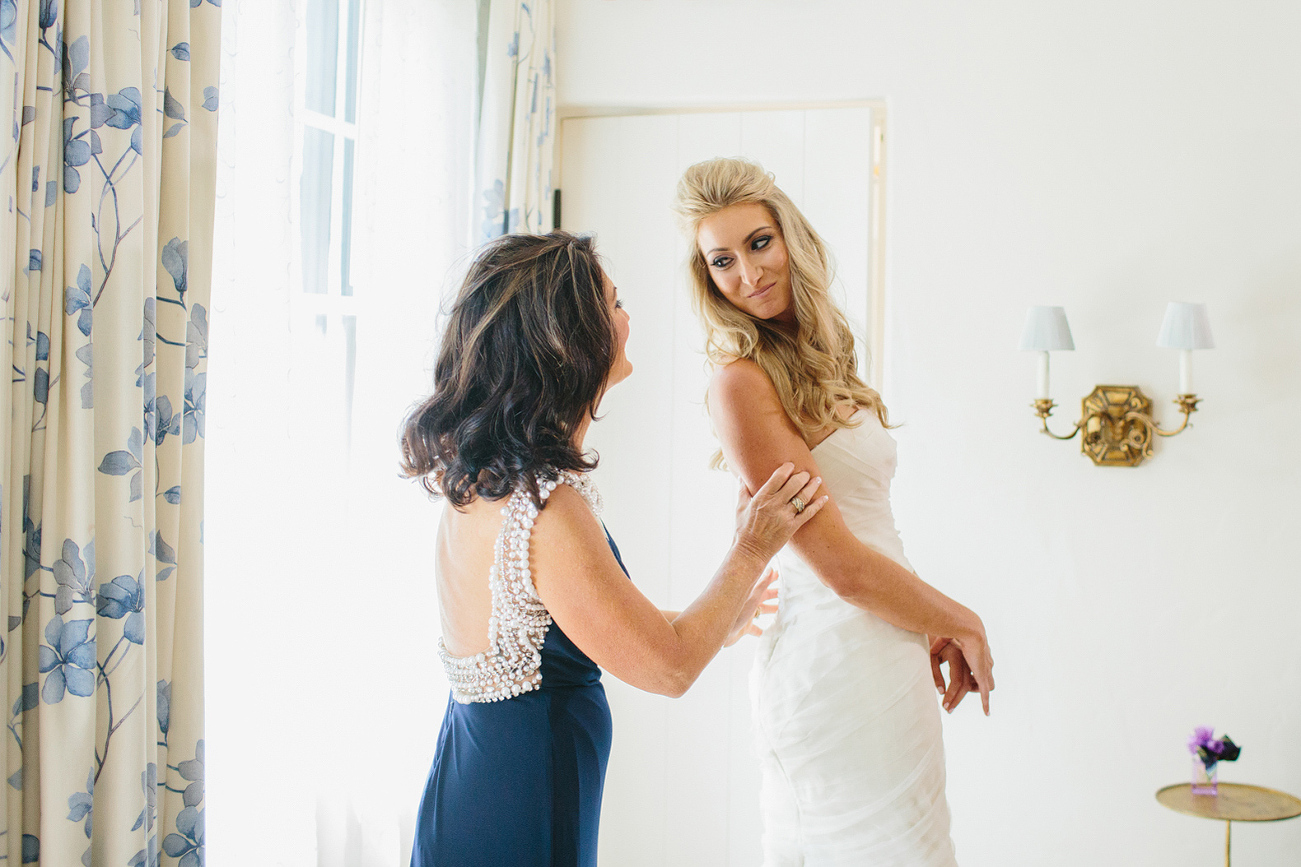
x,y
518,624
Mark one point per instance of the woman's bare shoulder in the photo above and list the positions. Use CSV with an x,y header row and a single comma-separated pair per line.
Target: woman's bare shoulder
x,y
743,401
740,379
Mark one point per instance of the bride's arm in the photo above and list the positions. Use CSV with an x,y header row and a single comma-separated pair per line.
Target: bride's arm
x,y
756,436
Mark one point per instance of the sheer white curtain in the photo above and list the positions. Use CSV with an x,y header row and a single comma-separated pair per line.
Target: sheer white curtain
x,y
324,690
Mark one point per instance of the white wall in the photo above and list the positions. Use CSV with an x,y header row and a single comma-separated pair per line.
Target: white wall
x,y
1108,158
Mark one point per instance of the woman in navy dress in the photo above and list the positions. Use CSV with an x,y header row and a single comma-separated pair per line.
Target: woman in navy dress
x,y
533,598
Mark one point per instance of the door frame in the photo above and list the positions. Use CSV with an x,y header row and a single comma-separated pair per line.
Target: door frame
x,y
876,265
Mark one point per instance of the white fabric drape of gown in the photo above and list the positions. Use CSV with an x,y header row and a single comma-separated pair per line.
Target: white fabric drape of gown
x,y
846,714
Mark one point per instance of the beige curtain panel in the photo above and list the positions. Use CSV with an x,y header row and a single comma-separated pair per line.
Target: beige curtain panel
x,y
107,162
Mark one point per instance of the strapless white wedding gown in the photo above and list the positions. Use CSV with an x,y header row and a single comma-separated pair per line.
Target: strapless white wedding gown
x,y
846,715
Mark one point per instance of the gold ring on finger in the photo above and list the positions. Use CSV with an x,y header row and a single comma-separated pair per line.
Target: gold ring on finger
x,y
799,504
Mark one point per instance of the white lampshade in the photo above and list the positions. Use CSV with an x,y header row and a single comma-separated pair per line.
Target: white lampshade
x,y
1186,326
1046,330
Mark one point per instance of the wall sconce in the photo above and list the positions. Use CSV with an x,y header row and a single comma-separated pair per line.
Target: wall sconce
x,y
1116,420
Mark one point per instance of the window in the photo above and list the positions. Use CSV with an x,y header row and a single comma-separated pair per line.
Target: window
x,y
342,205
325,314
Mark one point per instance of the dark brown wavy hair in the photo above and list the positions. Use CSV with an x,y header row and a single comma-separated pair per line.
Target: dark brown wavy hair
x,y
524,360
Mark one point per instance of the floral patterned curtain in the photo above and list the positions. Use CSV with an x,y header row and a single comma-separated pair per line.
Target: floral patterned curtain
x,y
516,131
107,160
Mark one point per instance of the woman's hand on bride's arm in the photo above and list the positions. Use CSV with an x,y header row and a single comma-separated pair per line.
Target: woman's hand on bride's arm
x,y
761,601
766,520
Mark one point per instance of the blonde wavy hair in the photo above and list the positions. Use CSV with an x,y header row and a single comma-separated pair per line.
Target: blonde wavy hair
x,y
813,367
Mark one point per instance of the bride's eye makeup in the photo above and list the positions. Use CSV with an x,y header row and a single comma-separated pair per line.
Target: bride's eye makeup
x,y
756,244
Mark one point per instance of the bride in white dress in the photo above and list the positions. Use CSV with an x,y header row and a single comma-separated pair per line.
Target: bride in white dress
x,y
847,725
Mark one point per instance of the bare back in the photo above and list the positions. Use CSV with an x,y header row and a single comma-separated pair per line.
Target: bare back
x,y
464,557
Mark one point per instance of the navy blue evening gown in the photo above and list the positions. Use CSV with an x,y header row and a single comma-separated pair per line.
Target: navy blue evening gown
x,y
517,783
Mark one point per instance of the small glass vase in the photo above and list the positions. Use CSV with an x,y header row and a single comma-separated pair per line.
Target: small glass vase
x,y
1205,780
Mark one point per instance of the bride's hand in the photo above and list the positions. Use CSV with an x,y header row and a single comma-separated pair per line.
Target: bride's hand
x,y
974,667
759,603
961,680
767,520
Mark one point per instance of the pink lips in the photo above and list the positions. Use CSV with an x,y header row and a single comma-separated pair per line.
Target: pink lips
x,y
762,291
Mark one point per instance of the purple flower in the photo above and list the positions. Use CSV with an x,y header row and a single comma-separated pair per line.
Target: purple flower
x,y
1211,749
1202,735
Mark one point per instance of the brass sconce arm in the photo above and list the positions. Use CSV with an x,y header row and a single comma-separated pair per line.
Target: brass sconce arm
x,y
1117,424
1043,408
1187,405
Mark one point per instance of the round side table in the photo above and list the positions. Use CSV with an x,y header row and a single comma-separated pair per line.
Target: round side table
x,y
1235,802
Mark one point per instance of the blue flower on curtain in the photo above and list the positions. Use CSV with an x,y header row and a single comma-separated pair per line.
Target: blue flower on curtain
x,y
173,109
99,115
76,57
86,356
196,399
75,576
77,302
128,460
40,376
8,24
149,856
181,51
192,771
76,153
49,14
186,844
81,805
196,337
32,539
149,782
176,260
160,421
164,702
126,114
67,660
148,337
164,553
124,597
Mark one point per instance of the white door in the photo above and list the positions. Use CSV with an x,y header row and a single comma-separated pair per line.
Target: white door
x,y
682,787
